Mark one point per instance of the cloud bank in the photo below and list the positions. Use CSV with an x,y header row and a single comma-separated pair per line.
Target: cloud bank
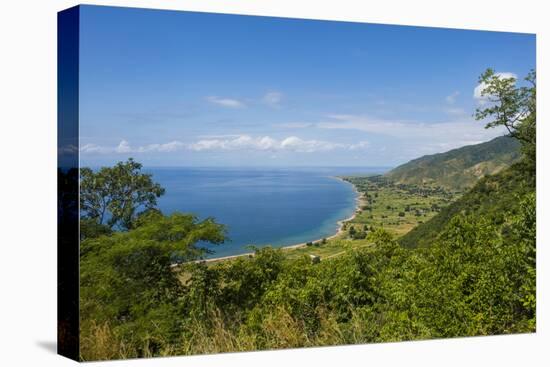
x,y
125,147
229,143
429,137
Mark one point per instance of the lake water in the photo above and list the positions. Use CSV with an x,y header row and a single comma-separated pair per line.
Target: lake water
x,y
277,207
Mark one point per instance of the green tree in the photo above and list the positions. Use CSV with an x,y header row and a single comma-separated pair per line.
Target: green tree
x,y
116,195
524,231
360,235
127,279
91,228
511,106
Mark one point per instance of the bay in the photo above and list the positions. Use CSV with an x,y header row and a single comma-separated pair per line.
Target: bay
x,y
261,206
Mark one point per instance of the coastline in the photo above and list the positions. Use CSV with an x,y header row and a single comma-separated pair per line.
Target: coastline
x,y
359,201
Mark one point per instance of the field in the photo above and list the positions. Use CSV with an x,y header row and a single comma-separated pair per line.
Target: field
x,y
397,208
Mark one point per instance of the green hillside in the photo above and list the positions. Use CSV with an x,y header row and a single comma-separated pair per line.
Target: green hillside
x,y
495,197
459,168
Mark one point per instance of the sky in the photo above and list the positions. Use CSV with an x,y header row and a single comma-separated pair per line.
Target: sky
x,y
173,88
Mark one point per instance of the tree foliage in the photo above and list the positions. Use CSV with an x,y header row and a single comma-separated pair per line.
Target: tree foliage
x,y
114,196
127,278
512,106
477,278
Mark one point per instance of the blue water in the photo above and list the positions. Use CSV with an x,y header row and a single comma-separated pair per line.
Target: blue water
x,y
260,207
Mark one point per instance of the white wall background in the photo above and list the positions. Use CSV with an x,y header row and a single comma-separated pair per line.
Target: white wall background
x,y
28,181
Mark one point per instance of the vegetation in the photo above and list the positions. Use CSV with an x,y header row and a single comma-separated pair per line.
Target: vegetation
x,y
126,279
467,283
514,107
459,169
469,270
114,196
495,198
331,248
395,207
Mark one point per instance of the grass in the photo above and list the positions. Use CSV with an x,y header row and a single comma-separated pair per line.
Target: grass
x,y
398,208
278,330
333,247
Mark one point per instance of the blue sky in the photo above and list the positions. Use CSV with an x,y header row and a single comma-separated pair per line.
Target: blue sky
x,y
198,89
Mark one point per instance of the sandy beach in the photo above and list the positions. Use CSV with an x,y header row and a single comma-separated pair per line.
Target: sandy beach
x,y
360,201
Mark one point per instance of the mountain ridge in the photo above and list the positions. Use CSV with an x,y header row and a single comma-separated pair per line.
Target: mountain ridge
x,y
459,168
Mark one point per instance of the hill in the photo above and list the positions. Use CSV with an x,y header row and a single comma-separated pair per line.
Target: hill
x,y
495,197
461,168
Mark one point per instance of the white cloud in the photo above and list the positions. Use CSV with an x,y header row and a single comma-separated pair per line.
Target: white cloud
x,y
93,148
272,99
451,98
266,143
230,143
125,147
239,142
166,147
296,144
436,136
208,144
482,99
225,102
361,145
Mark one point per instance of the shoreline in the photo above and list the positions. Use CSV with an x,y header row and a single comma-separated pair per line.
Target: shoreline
x,y
359,201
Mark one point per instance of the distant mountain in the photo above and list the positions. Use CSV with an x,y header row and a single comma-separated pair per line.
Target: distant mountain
x,y
460,168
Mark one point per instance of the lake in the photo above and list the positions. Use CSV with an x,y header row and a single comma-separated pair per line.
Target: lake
x,y
260,207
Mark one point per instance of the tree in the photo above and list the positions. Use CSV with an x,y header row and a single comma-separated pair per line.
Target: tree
x,y
116,195
524,233
511,106
360,235
90,228
127,279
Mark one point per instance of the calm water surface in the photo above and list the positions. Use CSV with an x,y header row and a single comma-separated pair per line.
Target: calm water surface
x,y
277,207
